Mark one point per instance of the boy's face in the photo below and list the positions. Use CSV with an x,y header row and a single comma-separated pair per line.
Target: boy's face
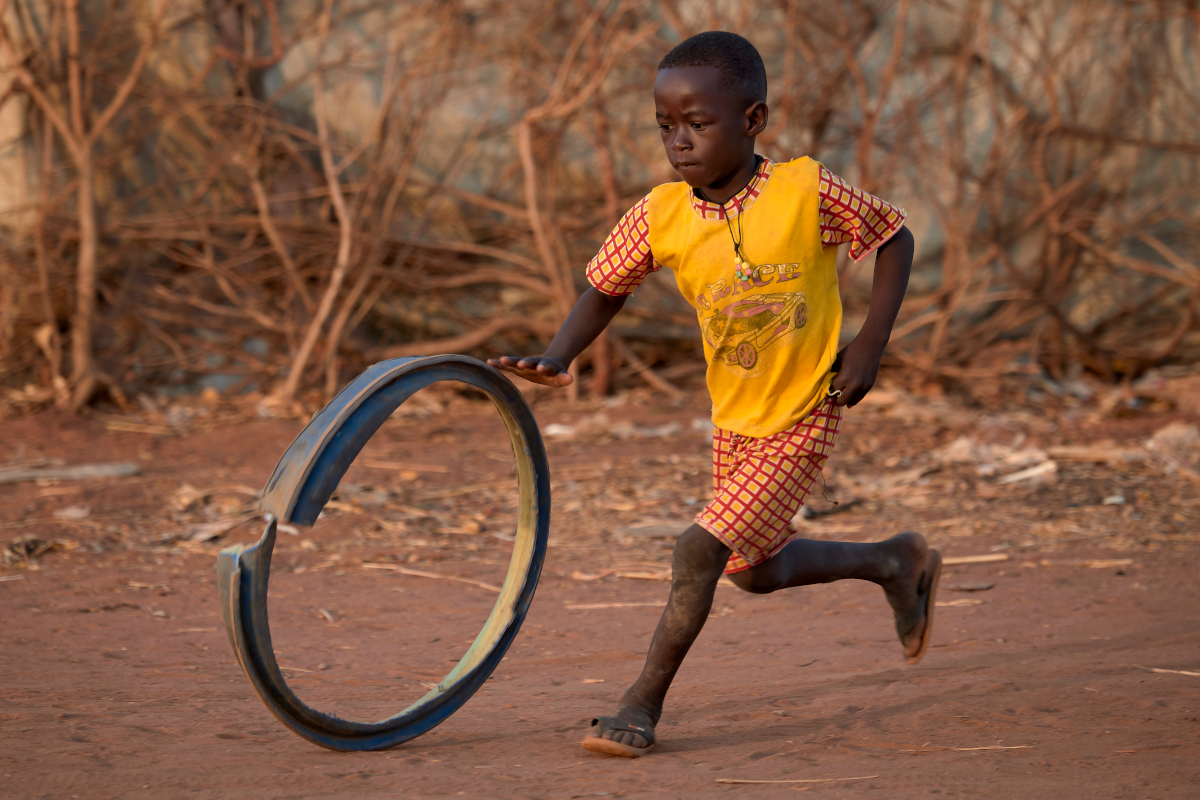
x,y
708,132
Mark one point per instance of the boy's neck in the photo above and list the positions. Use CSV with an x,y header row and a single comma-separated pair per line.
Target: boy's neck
x,y
722,190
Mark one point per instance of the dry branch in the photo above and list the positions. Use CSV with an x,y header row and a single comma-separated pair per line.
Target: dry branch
x,y
345,237
79,472
466,341
420,573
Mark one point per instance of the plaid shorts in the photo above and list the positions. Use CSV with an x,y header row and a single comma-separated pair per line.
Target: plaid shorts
x,y
760,483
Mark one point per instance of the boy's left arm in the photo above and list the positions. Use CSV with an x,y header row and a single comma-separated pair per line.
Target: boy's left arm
x,y
858,365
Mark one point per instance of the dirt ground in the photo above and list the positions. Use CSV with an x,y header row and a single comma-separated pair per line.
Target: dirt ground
x,y
1071,668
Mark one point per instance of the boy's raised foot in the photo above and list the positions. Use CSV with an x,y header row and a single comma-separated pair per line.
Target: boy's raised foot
x,y
913,592
629,733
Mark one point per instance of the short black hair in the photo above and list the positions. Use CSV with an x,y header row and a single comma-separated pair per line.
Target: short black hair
x,y
741,66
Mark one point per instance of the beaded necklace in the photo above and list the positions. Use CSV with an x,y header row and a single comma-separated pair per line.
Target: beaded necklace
x,y
741,270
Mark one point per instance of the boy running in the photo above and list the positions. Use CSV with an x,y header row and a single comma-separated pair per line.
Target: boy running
x,y
753,247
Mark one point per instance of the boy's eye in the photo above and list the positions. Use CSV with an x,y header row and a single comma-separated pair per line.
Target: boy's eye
x,y
697,126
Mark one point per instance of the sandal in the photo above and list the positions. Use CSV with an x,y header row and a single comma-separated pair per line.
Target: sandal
x,y
923,608
596,743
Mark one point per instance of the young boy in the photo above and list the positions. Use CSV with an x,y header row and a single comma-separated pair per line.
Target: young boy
x,y
753,247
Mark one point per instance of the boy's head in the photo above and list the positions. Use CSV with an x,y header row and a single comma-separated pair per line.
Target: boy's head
x,y
710,102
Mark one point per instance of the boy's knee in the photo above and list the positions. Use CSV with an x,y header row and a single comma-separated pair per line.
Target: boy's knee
x,y
698,557
753,581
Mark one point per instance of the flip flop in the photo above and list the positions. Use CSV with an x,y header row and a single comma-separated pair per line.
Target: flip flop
x,y
596,743
923,609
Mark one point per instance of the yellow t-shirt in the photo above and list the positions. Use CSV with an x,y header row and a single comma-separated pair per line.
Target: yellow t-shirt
x,y
770,333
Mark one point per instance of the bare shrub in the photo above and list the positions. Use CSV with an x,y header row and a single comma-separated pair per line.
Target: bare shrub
x,y
247,195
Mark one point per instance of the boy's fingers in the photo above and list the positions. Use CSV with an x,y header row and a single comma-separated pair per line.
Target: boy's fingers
x,y
844,393
855,397
534,370
561,379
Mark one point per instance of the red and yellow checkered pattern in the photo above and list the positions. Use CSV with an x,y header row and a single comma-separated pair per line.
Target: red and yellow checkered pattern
x,y
851,215
760,483
625,259
739,202
846,214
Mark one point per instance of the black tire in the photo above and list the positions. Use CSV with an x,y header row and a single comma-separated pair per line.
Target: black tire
x,y
303,482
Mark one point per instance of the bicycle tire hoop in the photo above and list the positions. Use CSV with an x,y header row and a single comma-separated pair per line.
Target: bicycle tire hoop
x,y
302,484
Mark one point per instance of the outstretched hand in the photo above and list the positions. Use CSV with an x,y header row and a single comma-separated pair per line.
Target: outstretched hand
x,y
538,369
587,320
857,367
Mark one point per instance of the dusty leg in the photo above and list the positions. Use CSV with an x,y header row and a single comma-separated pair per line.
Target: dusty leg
x,y
697,565
897,564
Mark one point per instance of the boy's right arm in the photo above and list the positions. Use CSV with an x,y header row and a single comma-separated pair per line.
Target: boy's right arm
x,y
591,315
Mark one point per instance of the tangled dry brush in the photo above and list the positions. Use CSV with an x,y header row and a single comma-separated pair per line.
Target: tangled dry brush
x,y
263,196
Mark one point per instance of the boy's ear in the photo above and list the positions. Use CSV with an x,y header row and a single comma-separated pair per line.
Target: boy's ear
x,y
756,118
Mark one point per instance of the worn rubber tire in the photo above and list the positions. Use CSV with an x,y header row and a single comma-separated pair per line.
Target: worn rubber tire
x,y
303,482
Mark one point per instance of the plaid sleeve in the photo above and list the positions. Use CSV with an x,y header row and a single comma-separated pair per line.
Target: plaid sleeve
x,y
625,259
851,215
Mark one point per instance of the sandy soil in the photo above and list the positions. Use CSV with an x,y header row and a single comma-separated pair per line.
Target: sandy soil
x,y
118,680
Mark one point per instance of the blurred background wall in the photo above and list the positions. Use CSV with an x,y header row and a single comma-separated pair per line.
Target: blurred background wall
x,y
263,196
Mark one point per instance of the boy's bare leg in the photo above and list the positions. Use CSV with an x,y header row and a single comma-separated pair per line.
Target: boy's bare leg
x,y
697,565
896,564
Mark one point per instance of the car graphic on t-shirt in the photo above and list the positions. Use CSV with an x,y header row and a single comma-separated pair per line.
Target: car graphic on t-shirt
x,y
744,328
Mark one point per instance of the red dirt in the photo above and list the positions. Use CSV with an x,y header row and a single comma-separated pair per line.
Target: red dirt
x,y
118,680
